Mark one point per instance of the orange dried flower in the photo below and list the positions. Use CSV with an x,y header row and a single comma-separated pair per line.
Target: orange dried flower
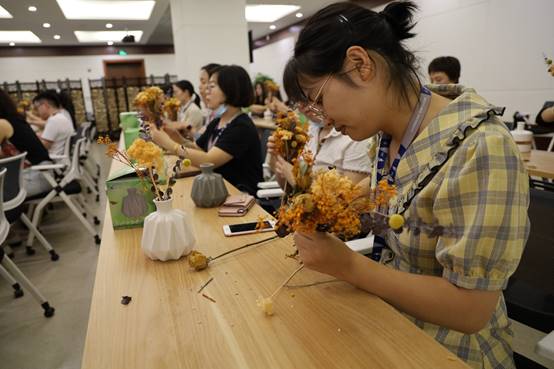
x,y
261,223
150,102
23,106
171,107
290,137
327,204
197,260
147,154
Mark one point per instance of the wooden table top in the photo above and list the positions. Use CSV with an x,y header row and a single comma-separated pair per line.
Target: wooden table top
x,y
264,123
169,325
540,163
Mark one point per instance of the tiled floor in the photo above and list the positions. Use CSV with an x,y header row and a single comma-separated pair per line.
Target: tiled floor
x,y
28,340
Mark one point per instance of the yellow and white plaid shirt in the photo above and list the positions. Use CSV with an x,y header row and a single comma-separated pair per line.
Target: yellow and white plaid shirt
x,y
481,192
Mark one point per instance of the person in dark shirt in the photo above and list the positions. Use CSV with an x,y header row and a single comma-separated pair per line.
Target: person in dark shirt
x,y
25,140
545,117
231,141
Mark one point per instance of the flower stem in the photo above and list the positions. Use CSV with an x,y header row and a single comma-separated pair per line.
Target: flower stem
x,y
244,246
150,171
286,281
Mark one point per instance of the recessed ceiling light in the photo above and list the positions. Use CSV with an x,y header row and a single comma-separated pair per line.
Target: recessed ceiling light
x,y
32,8
110,43
19,37
272,26
109,25
57,37
46,25
12,43
299,15
105,36
267,13
103,9
4,13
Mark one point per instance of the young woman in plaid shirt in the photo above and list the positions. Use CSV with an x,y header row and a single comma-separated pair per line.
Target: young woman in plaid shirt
x,y
457,167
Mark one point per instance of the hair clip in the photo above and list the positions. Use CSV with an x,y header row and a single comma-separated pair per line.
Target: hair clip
x,y
343,19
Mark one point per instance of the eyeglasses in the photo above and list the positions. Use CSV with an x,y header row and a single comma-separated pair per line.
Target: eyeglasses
x,y
315,107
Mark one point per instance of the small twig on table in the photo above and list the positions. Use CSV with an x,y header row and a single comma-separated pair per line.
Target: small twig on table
x,y
205,284
286,281
242,247
208,297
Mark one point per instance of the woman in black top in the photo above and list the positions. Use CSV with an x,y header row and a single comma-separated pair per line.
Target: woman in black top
x,y
24,138
231,140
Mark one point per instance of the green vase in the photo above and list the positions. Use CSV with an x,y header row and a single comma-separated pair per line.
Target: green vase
x,y
129,119
130,135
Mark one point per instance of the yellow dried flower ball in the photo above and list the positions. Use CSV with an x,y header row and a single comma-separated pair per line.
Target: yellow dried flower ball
x,y
147,154
265,304
187,163
197,260
396,221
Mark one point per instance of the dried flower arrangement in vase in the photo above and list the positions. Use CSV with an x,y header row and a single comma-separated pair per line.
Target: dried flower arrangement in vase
x,y
168,232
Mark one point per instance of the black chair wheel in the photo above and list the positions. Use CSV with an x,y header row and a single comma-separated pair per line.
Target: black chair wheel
x,y
84,215
29,250
53,255
96,220
11,255
97,239
48,310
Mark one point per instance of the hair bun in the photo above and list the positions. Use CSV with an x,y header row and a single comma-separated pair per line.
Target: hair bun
x,y
399,14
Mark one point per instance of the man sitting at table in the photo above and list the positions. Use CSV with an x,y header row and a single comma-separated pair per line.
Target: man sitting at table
x,y
57,128
444,70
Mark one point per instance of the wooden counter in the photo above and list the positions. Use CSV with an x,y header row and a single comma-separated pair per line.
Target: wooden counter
x,y
540,163
169,325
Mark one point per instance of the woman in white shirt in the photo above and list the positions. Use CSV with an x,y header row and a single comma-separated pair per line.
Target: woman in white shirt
x,y
189,117
331,149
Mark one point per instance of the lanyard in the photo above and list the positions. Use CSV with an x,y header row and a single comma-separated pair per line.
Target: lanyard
x,y
218,131
188,104
409,136
379,242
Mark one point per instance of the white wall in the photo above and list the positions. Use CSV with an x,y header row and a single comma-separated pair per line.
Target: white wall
x,y
52,68
271,60
208,31
499,44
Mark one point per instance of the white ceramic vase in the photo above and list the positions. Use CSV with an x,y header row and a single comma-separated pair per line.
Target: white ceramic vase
x,y
167,233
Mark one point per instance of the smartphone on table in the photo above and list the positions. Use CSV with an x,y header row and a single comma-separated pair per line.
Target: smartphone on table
x,y
247,228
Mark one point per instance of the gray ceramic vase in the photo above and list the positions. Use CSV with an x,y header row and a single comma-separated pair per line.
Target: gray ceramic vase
x,y
208,188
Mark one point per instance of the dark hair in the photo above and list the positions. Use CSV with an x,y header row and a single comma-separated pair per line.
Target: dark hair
x,y
50,96
235,83
8,109
447,64
185,85
65,102
260,100
323,42
211,68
